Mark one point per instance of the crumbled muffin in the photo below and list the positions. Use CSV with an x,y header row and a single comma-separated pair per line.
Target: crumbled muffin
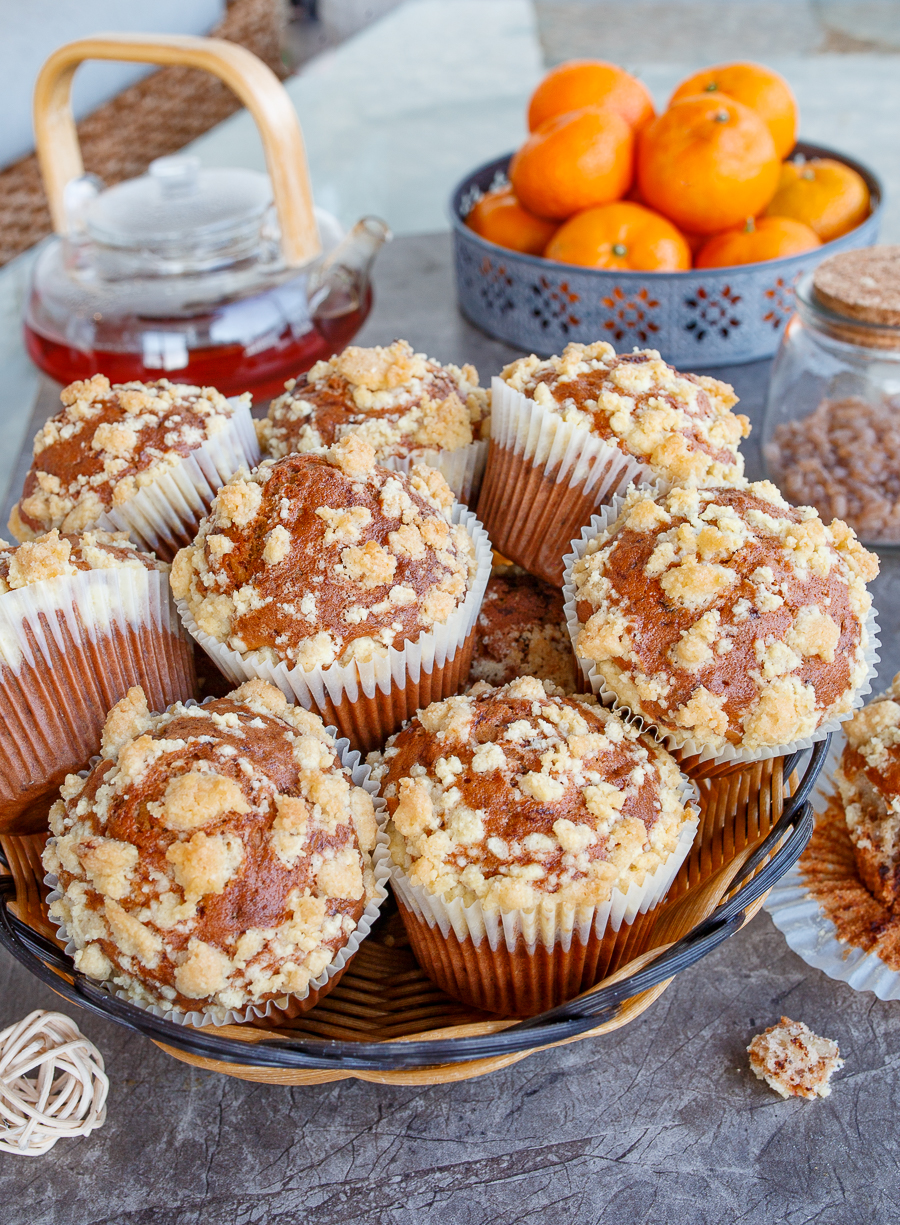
x,y
516,795
401,402
216,855
521,631
107,443
313,559
793,1061
868,780
725,615
681,425
54,556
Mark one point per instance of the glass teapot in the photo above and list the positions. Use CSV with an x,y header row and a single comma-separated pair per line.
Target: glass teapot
x,y
222,277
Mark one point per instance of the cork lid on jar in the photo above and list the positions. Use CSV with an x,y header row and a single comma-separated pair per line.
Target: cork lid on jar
x,y
863,288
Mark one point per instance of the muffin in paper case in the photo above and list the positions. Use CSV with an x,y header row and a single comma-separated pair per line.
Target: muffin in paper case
x,y
462,469
281,1008
144,458
370,693
532,835
82,619
699,758
544,479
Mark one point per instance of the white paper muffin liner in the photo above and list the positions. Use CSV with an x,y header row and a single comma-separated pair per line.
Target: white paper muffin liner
x,y
359,773
462,469
550,924
163,517
70,648
808,930
680,743
328,687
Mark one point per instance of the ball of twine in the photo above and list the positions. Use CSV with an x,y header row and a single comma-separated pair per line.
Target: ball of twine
x,y
52,1084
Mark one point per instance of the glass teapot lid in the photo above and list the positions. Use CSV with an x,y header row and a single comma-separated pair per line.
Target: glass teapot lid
x,y
180,210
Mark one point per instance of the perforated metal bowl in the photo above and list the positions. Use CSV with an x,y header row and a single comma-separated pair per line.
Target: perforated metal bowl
x,y
704,317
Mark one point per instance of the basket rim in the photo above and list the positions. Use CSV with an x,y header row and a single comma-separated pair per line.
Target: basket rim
x,y
785,262
782,847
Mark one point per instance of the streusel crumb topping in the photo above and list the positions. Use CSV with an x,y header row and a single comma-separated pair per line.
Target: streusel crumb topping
x,y
314,559
108,442
868,780
521,631
401,402
794,1061
217,855
679,424
726,615
520,795
54,556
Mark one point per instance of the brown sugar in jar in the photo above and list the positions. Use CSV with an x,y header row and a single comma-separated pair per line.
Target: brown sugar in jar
x,y
832,432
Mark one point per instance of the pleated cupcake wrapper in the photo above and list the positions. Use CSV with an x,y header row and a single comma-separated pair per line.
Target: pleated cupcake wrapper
x,y
286,1006
70,648
462,469
368,701
524,961
695,757
544,479
808,930
163,517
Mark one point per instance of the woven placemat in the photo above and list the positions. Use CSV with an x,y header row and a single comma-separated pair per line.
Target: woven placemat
x,y
157,116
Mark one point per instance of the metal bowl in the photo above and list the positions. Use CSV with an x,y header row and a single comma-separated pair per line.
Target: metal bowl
x,y
704,317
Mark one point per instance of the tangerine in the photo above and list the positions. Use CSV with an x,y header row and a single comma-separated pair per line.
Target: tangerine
x,y
707,164
758,87
757,240
579,83
826,195
623,236
499,217
574,161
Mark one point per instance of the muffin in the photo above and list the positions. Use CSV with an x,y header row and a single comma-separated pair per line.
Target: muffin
x,y
353,588
217,859
144,458
738,626
528,832
868,781
407,406
82,619
569,432
521,631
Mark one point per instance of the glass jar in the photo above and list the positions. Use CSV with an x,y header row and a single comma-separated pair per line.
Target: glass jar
x,y
831,435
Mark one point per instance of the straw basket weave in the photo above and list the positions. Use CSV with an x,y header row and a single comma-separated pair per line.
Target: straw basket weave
x,y
387,1022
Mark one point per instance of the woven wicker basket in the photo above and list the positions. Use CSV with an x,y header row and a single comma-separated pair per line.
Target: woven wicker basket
x,y
387,1022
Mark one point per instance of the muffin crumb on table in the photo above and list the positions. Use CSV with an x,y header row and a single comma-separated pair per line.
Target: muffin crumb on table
x,y
794,1061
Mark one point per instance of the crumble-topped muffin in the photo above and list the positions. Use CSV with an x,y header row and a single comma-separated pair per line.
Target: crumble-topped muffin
x,y
521,631
109,442
868,780
681,425
399,401
520,795
313,559
725,615
794,1061
54,556
217,856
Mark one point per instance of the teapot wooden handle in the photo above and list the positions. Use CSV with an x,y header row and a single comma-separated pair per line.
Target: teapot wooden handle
x,y
254,83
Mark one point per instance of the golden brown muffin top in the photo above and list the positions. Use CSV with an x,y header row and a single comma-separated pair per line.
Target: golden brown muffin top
x,y
681,425
521,631
520,795
726,615
316,558
216,855
108,442
399,401
54,556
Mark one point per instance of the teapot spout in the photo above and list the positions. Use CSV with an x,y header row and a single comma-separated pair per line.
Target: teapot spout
x,y
357,250
339,286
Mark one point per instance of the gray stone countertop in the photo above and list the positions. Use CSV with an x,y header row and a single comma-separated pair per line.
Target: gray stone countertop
x,y
659,1122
